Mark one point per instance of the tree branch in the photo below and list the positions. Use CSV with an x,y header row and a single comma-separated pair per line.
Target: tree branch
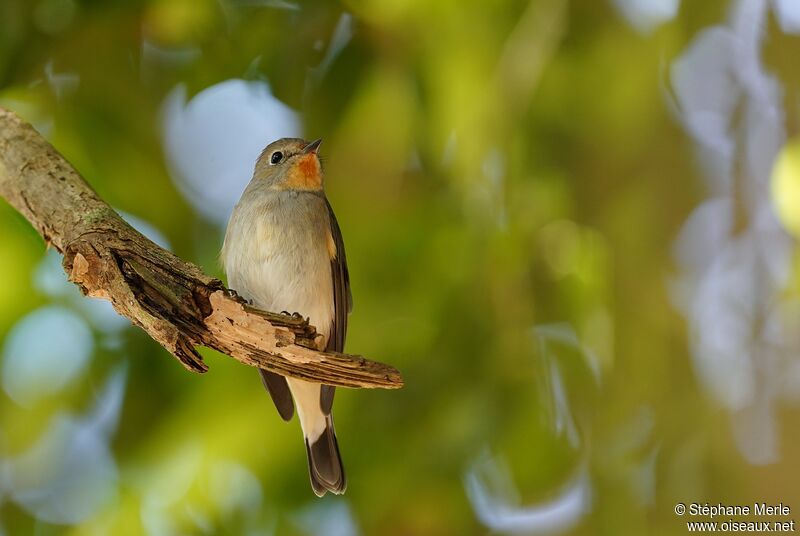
x,y
172,300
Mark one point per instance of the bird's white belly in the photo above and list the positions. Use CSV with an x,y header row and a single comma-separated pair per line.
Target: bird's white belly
x,y
284,285
280,271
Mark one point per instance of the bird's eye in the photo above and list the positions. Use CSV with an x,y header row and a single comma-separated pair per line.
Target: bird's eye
x,y
276,157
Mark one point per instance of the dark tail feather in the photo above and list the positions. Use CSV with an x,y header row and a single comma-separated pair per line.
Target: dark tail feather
x,y
325,464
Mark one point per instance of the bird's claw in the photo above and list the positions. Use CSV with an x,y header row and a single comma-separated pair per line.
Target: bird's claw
x,y
295,315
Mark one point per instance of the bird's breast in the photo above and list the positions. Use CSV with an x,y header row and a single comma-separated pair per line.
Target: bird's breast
x,y
276,255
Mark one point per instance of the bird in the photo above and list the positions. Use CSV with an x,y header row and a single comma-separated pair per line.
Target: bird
x,y
283,251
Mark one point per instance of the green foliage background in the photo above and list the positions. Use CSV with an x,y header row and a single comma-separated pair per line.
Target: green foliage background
x,y
450,271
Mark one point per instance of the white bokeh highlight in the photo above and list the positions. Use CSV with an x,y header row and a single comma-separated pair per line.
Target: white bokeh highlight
x,y
488,481
733,256
496,501
647,15
788,14
327,519
211,143
69,474
44,352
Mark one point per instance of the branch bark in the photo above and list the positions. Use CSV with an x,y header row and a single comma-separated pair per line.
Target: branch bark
x,y
172,300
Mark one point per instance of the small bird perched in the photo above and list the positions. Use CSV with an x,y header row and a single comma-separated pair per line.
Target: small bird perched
x,y
283,251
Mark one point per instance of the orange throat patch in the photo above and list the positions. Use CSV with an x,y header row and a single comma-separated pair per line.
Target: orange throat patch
x,y
305,174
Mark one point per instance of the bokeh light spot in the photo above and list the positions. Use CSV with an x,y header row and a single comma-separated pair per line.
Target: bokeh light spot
x,y
786,186
44,352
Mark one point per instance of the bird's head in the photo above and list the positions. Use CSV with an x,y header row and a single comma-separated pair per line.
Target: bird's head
x,y
290,164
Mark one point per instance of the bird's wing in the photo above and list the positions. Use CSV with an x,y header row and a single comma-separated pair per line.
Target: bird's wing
x,y
342,303
279,391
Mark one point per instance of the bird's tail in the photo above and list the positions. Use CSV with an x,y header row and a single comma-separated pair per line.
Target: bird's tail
x,y
324,463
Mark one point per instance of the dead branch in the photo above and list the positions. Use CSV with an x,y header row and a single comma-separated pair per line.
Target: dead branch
x,y
172,300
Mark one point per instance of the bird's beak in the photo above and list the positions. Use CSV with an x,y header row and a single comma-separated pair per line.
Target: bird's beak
x,y
312,147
